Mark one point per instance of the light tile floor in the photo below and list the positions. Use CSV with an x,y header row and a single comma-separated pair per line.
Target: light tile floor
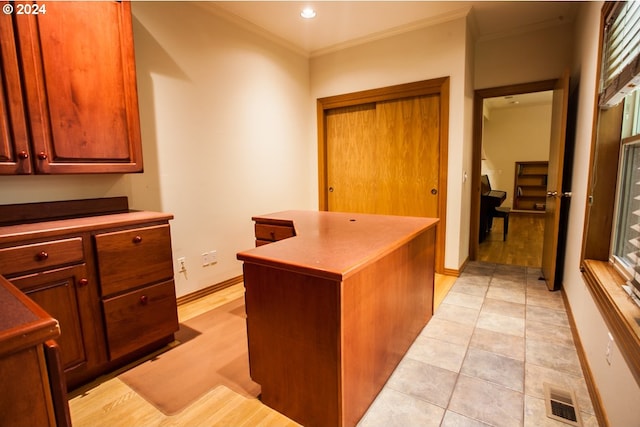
x,y
484,356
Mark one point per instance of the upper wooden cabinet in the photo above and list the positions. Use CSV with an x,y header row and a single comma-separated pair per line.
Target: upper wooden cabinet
x,y
14,140
76,65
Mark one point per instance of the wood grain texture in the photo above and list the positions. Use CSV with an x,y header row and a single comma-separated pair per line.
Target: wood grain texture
x,y
384,158
68,285
40,256
11,234
134,257
79,77
336,245
139,318
109,402
409,147
293,323
357,289
366,100
554,231
523,245
384,308
603,179
23,213
14,137
25,397
352,160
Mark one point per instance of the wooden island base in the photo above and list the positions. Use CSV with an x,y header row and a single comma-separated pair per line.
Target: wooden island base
x,y
332,310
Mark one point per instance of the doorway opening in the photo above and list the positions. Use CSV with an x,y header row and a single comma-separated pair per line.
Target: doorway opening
x,y
512,127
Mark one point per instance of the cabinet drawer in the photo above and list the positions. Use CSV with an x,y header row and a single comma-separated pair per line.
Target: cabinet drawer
x,y
40,256
131,258
138,318
273,232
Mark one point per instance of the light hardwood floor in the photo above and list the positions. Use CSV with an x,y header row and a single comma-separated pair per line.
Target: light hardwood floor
x,y
111,403
523,245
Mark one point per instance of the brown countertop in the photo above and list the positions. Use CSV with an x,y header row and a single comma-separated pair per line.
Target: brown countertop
x,y
23,323
20,232
334,245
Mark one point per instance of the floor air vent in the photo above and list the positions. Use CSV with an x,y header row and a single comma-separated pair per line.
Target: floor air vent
x,y
561,405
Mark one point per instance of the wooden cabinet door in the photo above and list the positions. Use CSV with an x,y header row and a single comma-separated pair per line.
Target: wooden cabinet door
x,y
80,84
60,293
14,142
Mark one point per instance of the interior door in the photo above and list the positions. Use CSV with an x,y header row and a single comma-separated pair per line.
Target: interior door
x,y
555,199
384,157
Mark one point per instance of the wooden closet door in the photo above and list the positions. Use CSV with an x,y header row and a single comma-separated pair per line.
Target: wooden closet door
x,y
408,133
352,160
384,158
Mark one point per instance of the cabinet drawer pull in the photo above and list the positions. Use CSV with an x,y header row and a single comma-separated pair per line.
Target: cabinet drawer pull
x,y
137,239
83,282
144,300
42,155
42,256
23,155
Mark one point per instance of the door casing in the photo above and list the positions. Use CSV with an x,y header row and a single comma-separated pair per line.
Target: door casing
x,y
478,101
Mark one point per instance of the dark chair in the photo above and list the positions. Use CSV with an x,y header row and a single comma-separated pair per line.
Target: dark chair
x,y
490,208
502,212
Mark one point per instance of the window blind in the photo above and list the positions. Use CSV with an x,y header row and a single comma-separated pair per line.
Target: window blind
x,y
627,242
620,67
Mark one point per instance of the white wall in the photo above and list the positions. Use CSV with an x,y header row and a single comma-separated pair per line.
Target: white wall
x,y
619,392
225,124
512,135
427,53
523,58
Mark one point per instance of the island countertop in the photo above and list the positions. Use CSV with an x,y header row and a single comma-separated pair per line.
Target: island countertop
x,y
334,245
333,302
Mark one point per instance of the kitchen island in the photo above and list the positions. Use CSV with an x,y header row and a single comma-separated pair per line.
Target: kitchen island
x,y
332,309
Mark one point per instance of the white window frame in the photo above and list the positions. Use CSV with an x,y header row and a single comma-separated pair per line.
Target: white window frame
x,y
630,135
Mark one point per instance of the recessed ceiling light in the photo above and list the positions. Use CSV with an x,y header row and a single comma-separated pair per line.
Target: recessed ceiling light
x,y
308,13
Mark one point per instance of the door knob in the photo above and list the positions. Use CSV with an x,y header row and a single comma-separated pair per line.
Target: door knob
x,y
330,189
434,191
566,194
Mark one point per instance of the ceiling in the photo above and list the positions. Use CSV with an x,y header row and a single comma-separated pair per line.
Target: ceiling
x,y
340,24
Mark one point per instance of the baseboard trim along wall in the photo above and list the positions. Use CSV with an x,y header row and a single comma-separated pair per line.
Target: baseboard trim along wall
x,y
209,290
598,408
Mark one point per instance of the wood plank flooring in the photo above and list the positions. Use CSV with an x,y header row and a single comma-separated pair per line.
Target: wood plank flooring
x,y
523,245
109,402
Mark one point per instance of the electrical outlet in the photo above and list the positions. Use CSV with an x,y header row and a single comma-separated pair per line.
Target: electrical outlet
x,y
609,348
205,259
182,267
